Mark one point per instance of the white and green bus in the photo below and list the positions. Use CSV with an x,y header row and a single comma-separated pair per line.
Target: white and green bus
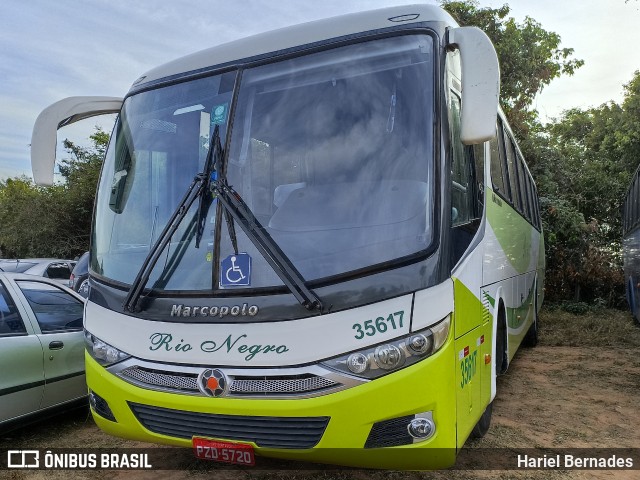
x,y
316,243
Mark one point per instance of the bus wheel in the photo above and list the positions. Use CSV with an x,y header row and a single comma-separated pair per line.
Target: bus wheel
x,y
531,338
482,427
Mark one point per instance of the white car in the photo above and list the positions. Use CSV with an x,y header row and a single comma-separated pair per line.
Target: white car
x,y
41,348
53,268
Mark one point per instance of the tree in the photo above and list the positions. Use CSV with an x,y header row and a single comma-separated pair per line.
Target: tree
x,y
591,156
530,58
52,221
81,173
582,162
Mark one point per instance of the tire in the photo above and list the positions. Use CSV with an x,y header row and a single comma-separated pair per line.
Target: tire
x,y
482,427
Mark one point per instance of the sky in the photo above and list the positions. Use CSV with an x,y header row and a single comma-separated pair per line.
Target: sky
x,y
54,49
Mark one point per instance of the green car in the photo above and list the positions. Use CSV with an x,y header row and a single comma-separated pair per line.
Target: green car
x,y
41,348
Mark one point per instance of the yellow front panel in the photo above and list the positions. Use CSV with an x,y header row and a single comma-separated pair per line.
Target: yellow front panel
x,y
423,387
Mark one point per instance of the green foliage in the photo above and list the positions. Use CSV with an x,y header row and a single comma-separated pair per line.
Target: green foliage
x,y
577,308
582,163
52,221
585,163
530,57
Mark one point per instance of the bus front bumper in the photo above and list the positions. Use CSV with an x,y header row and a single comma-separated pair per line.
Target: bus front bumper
x,y
386,403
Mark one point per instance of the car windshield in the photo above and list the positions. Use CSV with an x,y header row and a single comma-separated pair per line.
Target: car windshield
x,y
332,152
16,266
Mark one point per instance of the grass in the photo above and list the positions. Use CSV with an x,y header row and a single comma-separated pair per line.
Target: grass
x,y
595,328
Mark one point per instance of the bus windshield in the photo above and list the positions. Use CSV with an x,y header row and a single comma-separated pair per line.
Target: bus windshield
x,y
332,152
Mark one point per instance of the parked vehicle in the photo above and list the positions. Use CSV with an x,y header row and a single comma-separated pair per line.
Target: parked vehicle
x,y
53,268
380,261
79,279
41,348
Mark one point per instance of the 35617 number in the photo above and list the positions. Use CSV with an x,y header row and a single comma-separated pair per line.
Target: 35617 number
x,y
380,325
468,368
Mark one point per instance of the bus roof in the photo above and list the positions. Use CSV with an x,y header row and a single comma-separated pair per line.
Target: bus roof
x,y
295,35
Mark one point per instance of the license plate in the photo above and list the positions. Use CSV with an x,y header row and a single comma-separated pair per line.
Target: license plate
x,y
227,452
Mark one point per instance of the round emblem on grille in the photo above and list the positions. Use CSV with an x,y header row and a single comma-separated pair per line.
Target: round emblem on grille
x,y
213,383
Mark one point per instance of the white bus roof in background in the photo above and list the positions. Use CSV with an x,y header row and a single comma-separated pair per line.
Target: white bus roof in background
x,y
301,34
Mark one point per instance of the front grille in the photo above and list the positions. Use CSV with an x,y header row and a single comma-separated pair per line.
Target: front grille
x,y
274,432
283,385
279,385
390,433
175,381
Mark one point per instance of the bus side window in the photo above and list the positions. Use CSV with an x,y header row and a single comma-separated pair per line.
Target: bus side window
x,y
534,204
464,200
497,178
466,206
479,159
513,173
523,187
500,162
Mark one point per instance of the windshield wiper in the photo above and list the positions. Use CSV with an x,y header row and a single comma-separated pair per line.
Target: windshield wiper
x,y
211,181
272,253
199,188
214,156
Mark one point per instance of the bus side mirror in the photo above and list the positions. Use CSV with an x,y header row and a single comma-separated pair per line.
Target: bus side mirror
x,y
55,116
480,84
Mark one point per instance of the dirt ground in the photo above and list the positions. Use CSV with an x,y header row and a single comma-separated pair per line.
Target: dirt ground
x,y
553,396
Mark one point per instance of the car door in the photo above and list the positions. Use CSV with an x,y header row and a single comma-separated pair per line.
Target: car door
x,y
58,314
21,359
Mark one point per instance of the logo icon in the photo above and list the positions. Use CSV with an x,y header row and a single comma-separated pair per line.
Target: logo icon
x,y
23,459
213,383
219,114
235,270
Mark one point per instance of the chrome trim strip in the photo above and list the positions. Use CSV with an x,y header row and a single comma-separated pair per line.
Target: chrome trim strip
x,y
341,381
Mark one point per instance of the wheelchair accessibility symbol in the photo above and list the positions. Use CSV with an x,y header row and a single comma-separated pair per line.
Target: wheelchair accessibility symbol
x,y
235,270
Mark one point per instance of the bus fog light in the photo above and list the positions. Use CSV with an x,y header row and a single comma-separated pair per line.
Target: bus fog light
x,y
420,344
388,357
100,406
421,428
357,362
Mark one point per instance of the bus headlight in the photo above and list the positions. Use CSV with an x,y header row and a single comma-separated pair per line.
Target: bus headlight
x,y
420,343
357,363
102,352
388,356
373,362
